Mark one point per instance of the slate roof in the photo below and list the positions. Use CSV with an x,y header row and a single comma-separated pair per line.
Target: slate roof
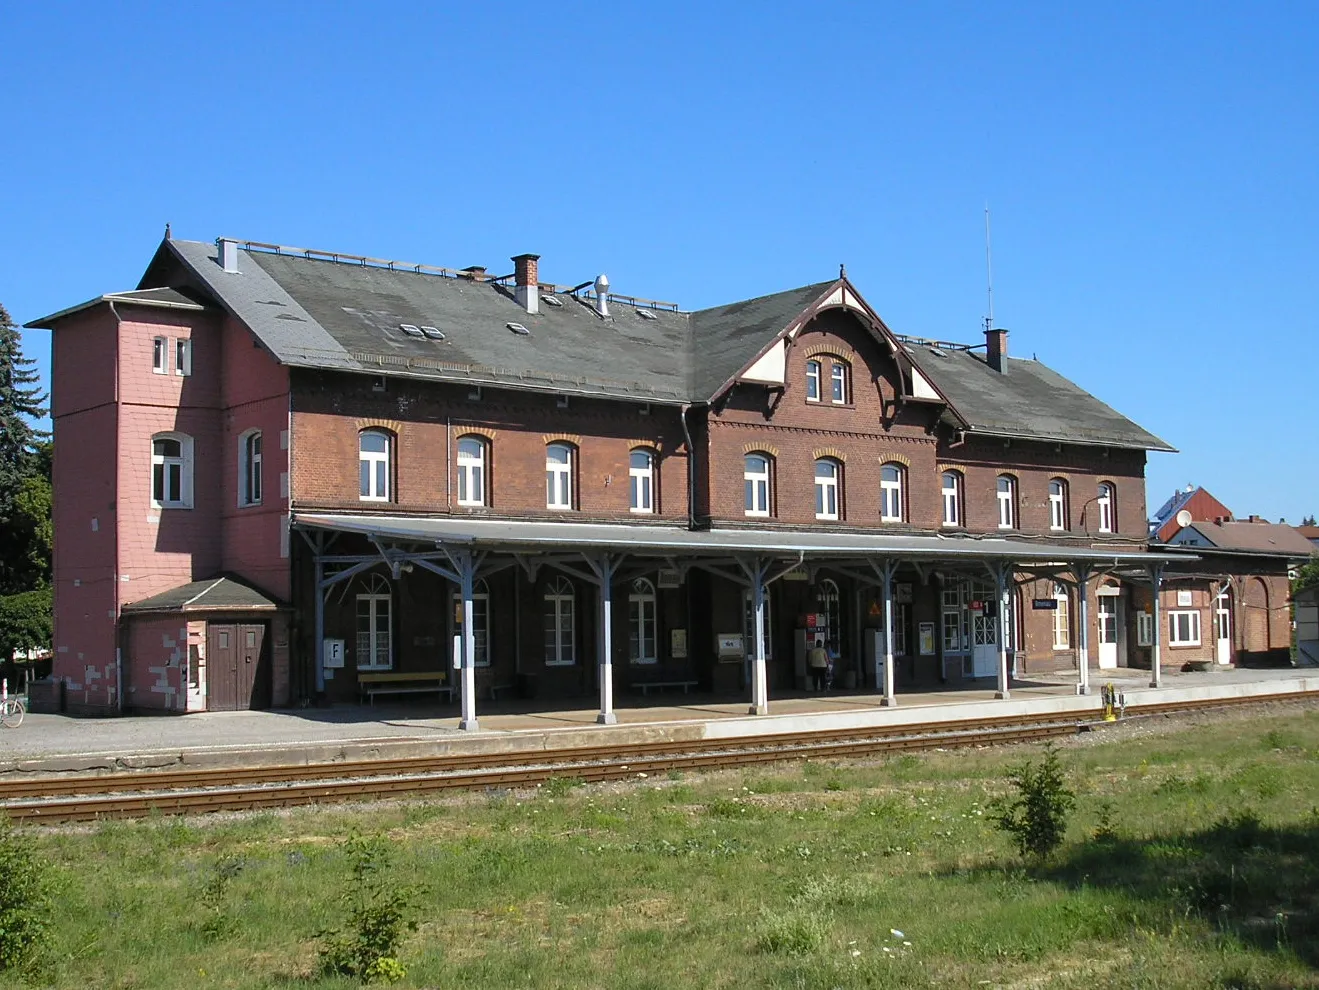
x,y
346,315
1254,537
216,594
1027,399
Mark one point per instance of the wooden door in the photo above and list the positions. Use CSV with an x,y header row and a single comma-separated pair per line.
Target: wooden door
x,y
251,645
221,668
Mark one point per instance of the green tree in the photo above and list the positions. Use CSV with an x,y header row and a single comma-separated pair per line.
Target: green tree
x,y
1307,576
25,622
21,402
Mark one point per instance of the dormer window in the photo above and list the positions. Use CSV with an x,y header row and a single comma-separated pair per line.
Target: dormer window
x,y
827,375
812,381
838,383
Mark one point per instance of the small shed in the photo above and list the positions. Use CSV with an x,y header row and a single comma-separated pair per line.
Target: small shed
x,y
1307,626
214,645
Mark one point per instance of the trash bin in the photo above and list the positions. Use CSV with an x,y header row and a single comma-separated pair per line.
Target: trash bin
x,y
526,685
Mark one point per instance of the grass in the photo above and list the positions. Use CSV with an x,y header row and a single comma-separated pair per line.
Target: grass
x,y
1204,873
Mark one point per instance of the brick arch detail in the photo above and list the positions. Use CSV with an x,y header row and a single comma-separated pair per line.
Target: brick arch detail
x,y
392,425
959,468
644,444
902,459
474,431
833,453
756,447
571,438
842,353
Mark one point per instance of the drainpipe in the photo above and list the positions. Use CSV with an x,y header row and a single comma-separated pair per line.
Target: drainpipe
x,y
448,464
691,466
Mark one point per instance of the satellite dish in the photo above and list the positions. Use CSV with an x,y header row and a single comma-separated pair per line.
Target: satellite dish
x,y
1184,518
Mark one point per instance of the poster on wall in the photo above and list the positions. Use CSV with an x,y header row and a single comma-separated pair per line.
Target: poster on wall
x,y
927,639
678,643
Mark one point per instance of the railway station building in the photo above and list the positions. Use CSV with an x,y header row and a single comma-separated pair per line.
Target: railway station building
x,y
286,476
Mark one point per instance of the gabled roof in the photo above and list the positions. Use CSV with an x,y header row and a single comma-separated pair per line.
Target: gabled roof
x,y
162,298
217,594
1245,537
1027,399
339,314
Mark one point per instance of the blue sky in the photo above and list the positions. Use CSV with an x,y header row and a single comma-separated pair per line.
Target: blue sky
x,y
1152,175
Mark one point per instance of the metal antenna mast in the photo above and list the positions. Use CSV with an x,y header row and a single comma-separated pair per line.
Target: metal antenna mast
x,y
989,272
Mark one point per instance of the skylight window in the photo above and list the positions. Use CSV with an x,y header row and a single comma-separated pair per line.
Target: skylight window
x,y
552,300
410,330
518,328
432,333
646,314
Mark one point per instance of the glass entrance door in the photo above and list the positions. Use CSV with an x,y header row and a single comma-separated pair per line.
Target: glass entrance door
x,y
1223,628
1108,631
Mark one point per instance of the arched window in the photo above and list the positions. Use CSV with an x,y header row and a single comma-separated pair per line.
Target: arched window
x,y
1058,504
831,605
249,468
838,382
558,476
1062,637
641,623
756,475
952,498
374,642
890,493
1107,508
171,471
373,449
480,623
641,477
828,472
813,380
560,623
471,470
1007,502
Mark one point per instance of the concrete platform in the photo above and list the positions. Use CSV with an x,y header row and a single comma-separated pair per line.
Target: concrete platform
x,y
56,743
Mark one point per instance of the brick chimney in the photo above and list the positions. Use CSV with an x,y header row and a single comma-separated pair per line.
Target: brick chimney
x,y
996,348
526,281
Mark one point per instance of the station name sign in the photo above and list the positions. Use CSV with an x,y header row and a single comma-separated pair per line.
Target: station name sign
x,y
1044,604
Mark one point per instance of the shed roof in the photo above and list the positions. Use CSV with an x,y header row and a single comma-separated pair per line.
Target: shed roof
x,y
1253,537
216,594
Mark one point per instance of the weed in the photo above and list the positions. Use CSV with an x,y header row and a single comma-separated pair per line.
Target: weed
x,y
1105,830
380,912
795,932
561,786
216,922
1037,819
25,900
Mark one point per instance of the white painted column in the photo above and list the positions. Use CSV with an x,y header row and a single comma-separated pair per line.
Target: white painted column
x,y
605,570
1156,656
1001,585
1083,629
759,678
467,673
890,697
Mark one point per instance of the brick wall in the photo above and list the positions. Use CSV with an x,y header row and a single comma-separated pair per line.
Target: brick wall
x,y
427,420
156,665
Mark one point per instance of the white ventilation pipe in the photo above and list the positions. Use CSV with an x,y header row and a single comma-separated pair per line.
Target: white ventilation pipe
x,y
602,294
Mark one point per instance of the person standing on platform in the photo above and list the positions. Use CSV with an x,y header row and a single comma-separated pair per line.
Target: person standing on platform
x,y
818,660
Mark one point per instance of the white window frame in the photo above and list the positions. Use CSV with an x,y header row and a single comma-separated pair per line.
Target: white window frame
x,y
376,591
1144,629
1192,617
758,485
160,356
828,496
560,602
480,622
1007,501
642,614
558,478
182,464
251,447
1062,618
1104,503
183,356
838,382
472,470
641,480
890,492
377,481
813,371
952,498
1057,504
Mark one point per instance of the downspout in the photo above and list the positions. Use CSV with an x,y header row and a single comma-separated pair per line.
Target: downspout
x,y
119,653
448,464
691,466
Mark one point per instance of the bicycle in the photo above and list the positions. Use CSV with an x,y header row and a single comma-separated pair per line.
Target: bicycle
x,y
11,708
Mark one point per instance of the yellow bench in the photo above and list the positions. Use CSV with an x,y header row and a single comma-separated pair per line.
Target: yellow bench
x,y
405,682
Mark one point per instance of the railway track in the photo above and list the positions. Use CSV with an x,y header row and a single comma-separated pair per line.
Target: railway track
x,y
136,794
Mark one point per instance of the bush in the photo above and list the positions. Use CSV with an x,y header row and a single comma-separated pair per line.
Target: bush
x,y
797,932
1037,819
25,901
380,914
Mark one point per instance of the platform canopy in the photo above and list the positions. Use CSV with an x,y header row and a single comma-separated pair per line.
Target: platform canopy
x,y
674,541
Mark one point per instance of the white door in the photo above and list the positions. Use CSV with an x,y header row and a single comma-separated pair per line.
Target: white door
x,y
1107,632
984,656
1223,628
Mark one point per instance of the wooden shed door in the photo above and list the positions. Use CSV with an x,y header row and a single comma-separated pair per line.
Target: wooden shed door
x,y
234,667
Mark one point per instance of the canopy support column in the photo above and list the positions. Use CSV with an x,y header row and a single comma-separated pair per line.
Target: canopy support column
x,y
1156,657
1083,572
605,567
885,572
466,579
756,569
319,644
1002,586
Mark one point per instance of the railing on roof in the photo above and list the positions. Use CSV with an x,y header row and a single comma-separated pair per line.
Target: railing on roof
x,y
365,261
946,345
